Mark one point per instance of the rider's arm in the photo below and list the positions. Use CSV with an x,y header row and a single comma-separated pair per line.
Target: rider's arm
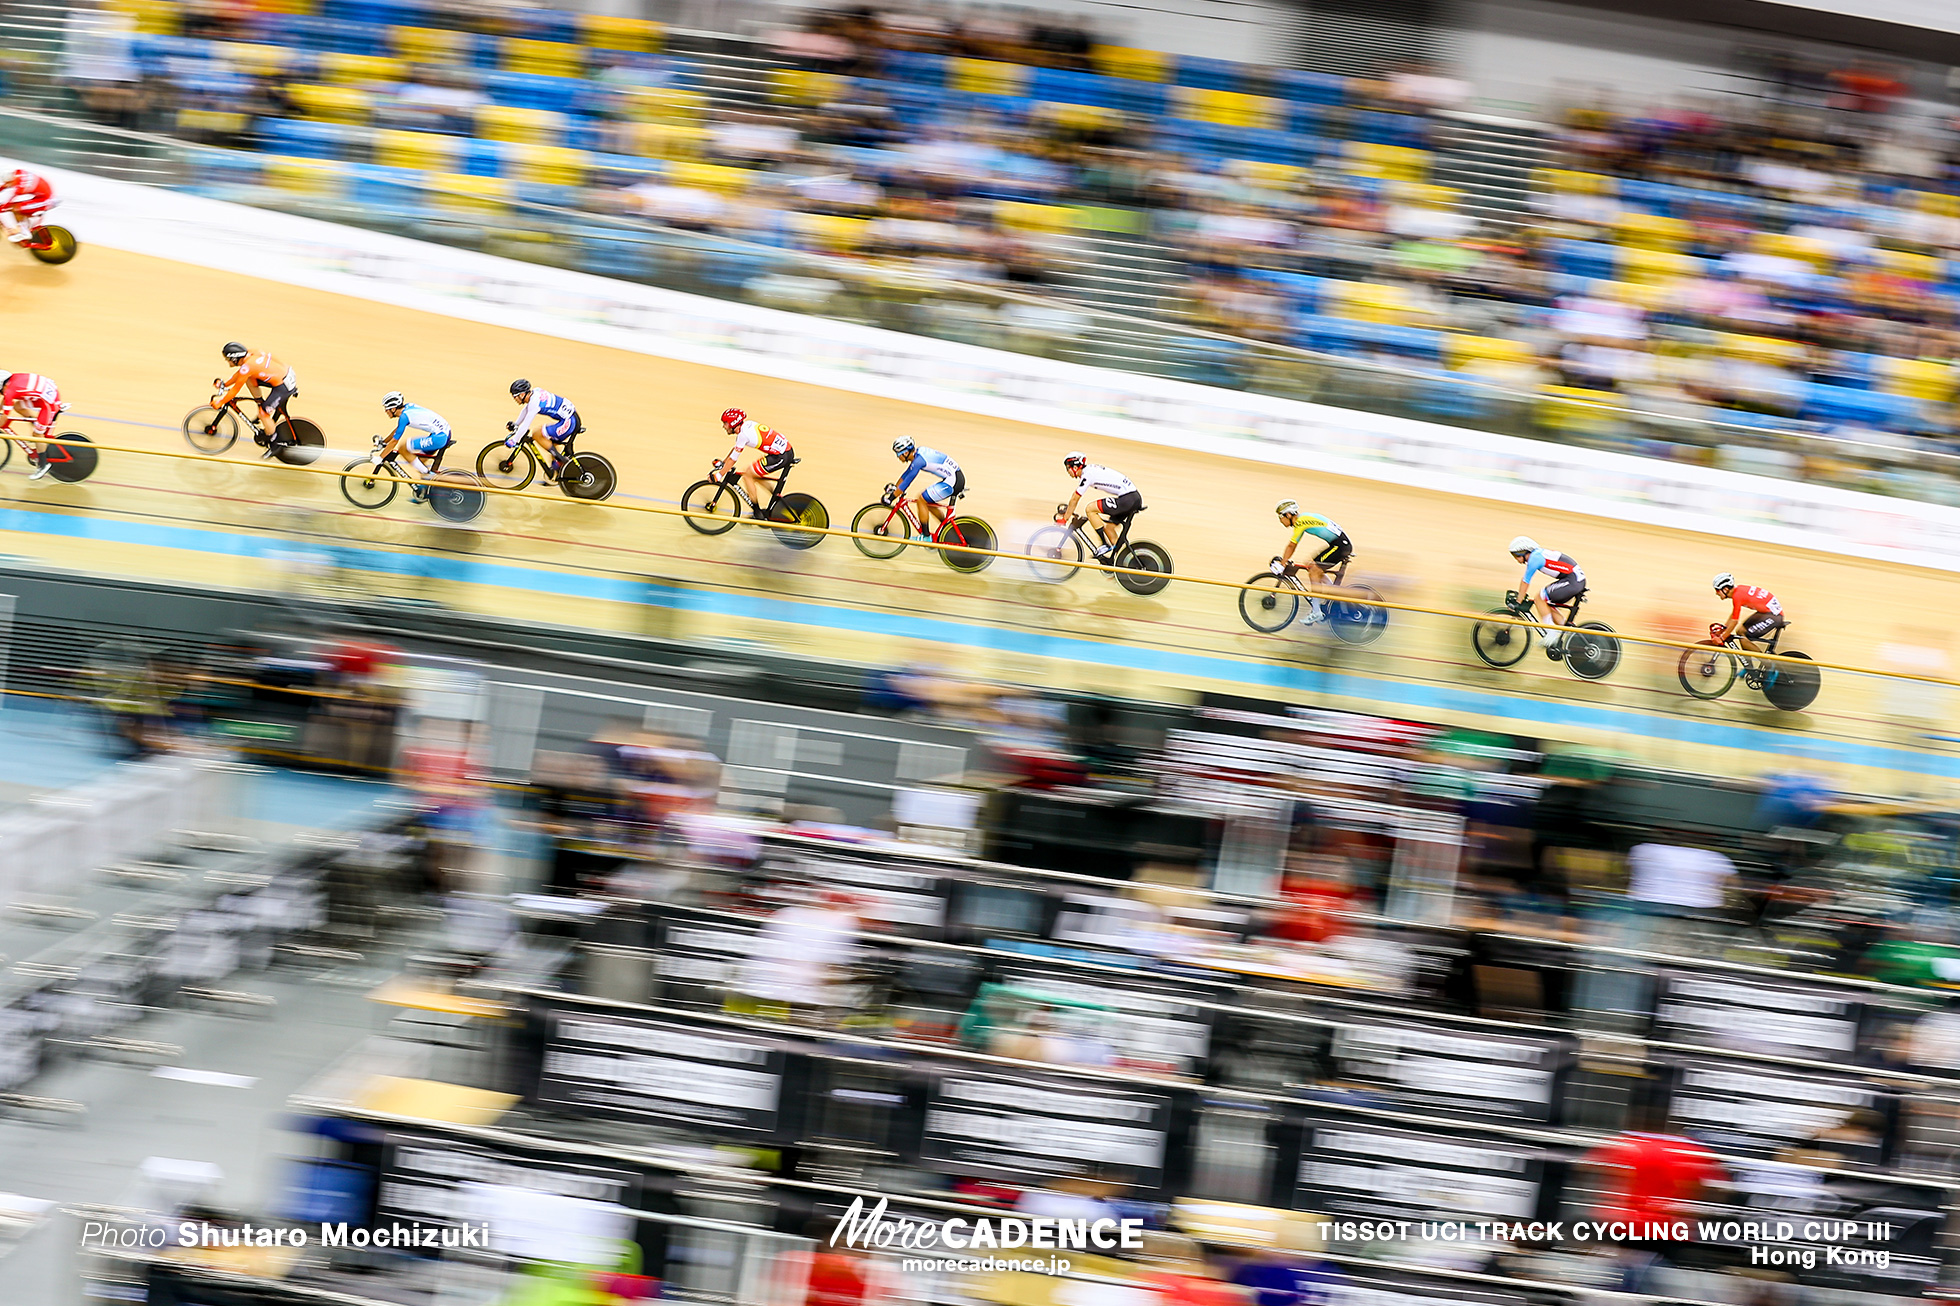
x,y
239,379
911,474
1532,566
521,428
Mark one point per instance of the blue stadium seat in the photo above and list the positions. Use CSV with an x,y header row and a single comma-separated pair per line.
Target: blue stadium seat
x,y
1310,88
1585,258
306,140
1301,290
543,24
915,67
1067,87
1211,74
1382,128
480,158
1838,404
533,91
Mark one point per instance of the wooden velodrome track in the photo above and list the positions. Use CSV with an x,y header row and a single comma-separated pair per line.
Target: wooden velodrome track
x,y
132,341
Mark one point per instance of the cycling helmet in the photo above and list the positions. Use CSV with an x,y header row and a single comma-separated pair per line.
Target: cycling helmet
x,y
519,387
1523,544
393,402
903,447
733,417
1723,581
1074,460
235,352
1286,508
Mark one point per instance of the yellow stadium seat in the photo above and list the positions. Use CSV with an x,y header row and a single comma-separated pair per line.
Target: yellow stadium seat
x,y
1365,301
150,17
257,60
1462,350
329,103
1918,378
423,151
1636,263
1758,349
1137,65
803,86
1424,195
665,104
1650,230
1271,176
1797,247
1581,412
606,32
302,176
1947,206
987,76
1019,215
1078,117
546,58
717,177
193,121
428,44
289,6
1226,108
459,192
1921,267
664,140
355,69
503,122
1390,162
1650,295
550,165
839,235
1581,183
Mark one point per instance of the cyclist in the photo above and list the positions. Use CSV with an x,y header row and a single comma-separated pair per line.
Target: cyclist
x,y
24,197
936,500
1564,581
1116,499
419,434
1331,548
250,371
1768,613
772,450
36,398
545,414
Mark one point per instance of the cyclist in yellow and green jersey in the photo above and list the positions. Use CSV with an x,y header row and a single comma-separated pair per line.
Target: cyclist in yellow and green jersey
x,y
1330,548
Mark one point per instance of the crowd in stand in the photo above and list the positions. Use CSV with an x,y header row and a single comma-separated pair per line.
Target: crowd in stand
x,y
1784,258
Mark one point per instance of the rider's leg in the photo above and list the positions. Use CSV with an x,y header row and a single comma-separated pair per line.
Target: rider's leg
x,y
1318,575
15,230
1103,528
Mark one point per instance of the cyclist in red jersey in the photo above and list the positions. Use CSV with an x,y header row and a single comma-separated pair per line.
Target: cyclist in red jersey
x,y
772,450
24,197
1766,614
37,399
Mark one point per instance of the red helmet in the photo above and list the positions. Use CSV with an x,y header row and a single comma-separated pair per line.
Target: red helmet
x,y
733,417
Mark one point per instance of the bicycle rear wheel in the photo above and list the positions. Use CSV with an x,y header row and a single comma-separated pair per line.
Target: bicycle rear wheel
x,y
210,430
974,534
374,489
1145,555
1058,551
1270,605
1500,644
800,510
1357,623
52,244
505,468
720,503
1591,652
588,476
885,522
456,496
1706,671
80,463
302,443
1792,688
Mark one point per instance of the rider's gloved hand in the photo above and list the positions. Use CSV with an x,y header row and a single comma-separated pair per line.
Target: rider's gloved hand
x,y
214,401
1279,568
374,459
1716,630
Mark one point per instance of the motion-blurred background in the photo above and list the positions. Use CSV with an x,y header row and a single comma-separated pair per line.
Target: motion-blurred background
x,y
650,896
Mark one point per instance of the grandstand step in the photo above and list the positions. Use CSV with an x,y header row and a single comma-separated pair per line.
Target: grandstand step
x,y
1116,274
1492,161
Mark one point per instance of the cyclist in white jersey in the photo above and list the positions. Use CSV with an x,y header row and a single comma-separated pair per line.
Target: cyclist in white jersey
x,y
936,500
420,434
545,415
1107,496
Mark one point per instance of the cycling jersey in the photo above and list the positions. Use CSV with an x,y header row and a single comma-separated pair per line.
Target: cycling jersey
x,y
1552,563
1105,481
1311,523
936,464
1755,598
31,194
38,393
431,432
260,368
561,419
754,435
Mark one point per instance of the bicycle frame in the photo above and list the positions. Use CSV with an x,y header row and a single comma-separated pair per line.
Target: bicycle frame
x,y
732,478
51,453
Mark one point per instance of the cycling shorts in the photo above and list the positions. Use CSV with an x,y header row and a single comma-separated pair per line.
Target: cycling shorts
x,y
32,206
1338,551
770,464
1565,589
1121,507
425,443
561,428
279,396
946,491
1760,624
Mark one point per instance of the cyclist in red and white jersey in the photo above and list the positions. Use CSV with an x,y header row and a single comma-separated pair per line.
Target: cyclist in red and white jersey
x,y
773,455
36,398
1765,613
24,197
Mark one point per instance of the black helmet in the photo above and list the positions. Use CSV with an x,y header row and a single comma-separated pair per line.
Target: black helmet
x,y
235,352
520,387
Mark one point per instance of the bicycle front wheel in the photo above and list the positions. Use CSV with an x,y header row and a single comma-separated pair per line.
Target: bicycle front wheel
x,y
1591,652
372,488
800,510
588,476
1057,553
456,497
719,506
1270,604
1357,623
79,461
884,522
973,534
1706,671
505,468
1500,644
210,430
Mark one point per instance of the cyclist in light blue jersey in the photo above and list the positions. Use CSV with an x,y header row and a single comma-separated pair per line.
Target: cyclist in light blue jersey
x,y
548,421
936,500
420,435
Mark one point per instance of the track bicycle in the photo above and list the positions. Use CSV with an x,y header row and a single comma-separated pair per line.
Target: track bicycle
x,y
214,430
720,501
587,476
66,462
1272,602
51,244
1060,550
895,521
1588,648
454,496
1710,668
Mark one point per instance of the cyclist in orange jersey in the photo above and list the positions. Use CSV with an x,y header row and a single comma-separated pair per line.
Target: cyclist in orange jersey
x,y
252,370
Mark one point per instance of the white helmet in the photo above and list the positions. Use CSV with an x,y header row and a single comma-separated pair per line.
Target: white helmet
x,y
1287,508
1523,544
392,401
1723,581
